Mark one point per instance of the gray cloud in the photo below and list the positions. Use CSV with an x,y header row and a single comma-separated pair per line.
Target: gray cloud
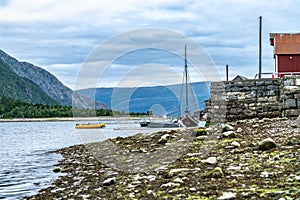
x,y
60,36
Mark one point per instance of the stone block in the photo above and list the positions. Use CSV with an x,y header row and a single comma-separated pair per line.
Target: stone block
x,y
228,86
291,89
259,83
271,93
287,83
245,89
241,96
253,108
262,88
232,97
297,96
250,100
262,99
290,103
292,113
239,84
269,82
263,114
272,98
249,83
297,82
250,94
271,87
250,113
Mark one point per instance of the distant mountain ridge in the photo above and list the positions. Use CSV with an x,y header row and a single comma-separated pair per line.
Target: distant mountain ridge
x,y
45,81
143,98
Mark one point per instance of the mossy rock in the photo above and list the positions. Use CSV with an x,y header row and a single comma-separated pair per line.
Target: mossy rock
x,y
267,144
293,141
215,173
56,170
200,131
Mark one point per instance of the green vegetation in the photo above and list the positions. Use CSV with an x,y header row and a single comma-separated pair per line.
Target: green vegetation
x,y
199,131
10,108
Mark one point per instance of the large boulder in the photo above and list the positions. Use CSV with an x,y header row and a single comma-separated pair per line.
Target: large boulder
x,y
267,144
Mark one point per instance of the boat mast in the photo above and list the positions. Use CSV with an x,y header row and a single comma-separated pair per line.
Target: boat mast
x,y
186,84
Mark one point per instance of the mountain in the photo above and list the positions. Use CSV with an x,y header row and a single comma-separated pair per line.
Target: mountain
x,y
143,98
21,88
38,81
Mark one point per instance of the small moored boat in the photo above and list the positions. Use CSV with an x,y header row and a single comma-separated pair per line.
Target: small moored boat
x,y
85,126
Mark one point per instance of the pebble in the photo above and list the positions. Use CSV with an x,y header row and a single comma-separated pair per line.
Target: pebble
x,y
239,130
228,127
202,137
175,171
164,139
210,160
229,134
170,184
227,195
236,144
216,173
178,180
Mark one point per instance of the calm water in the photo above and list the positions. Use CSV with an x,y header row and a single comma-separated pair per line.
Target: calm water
x,y
25,162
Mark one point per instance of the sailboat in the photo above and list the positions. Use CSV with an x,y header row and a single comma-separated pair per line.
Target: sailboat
x,y
187,120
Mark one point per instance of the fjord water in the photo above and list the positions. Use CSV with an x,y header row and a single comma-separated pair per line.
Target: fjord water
x,y
25,162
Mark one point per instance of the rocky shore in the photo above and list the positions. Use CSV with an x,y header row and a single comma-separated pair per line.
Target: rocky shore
x,y
247,159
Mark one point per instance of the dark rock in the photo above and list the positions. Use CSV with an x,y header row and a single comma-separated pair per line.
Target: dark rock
x,y
267,144
109,181
293,141
228,127
56,170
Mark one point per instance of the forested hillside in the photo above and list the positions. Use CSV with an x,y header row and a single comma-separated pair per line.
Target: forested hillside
x,y
10,108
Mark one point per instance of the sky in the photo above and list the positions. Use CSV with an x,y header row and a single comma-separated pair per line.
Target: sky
x,y
63,36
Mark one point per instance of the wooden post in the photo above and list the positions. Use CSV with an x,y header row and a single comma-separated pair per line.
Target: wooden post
x,y
226,72
260,47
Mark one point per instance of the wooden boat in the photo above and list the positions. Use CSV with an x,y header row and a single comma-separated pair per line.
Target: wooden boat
x,y
87,126
187,120
163,125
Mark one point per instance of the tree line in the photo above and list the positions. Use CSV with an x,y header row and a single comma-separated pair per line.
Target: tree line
x,y
11,108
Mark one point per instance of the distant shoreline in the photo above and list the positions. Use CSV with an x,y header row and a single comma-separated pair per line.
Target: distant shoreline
x,y
63,119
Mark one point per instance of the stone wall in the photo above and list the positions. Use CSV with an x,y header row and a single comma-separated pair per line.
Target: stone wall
x,y
290,96
233,100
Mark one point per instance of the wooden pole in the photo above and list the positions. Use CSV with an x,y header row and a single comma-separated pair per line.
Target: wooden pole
x,y
260,47
186,84
226,72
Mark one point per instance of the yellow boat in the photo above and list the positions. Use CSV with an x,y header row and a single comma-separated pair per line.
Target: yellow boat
x,y
85,126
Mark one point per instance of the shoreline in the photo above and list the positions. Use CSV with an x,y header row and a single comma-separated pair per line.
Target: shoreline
x,y
221,164
62,119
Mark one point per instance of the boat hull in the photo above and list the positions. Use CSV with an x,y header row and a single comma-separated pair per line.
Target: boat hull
x,y
89,126
163,125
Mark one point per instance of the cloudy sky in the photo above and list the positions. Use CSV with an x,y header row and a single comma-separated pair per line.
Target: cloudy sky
x,y
60,36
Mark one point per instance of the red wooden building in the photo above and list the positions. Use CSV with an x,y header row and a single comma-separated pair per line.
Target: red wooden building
x,y
286,53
